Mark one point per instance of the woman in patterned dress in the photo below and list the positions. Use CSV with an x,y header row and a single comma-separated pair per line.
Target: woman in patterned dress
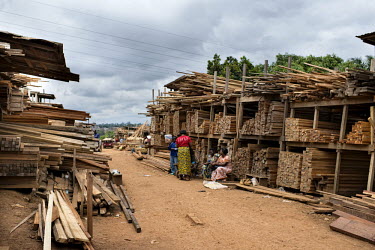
x,y
224,166
184,158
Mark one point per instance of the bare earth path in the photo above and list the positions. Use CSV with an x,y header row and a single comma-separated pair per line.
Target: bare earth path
x,y
233,219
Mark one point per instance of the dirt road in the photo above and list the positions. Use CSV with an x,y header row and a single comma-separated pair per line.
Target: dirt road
x,y
233,219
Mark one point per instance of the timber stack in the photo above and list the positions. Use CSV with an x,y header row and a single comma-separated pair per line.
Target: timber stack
x,y
289,170
265,165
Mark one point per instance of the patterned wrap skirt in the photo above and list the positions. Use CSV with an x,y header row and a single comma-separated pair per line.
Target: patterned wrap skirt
x,y
184,161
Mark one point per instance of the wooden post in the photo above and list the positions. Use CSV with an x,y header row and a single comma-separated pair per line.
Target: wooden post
x,y
265,67
371,172
344,119
292,113
227,75
74,166
316,117
372,65
48,223
153,96
89,203
243,79
286,107
212,113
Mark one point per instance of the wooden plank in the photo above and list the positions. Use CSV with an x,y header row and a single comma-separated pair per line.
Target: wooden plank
x,y
40,216
77,232
89,203
58,232
23,221
122,203
336,181
106,190
128,201
354,228
334,102
273,192
48,225
64,222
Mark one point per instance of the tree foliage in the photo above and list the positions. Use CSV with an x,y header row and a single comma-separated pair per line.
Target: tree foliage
x,y
330,61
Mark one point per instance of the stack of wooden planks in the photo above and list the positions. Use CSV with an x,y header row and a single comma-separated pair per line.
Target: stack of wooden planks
x,y
289,169
265,165
226,125
199,117
356,215
268,120
10,143
316,164
300,130
242,162
179,118
360,134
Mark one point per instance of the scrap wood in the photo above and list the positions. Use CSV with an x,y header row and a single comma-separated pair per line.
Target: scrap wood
x,y
23,221
354,228
273,192
48,224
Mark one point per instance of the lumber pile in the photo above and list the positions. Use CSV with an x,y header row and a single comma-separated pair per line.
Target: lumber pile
x,y
242,162
300,130
315,165
59,219
265,164
268,120
179,124
156,163
356,215
289,169
198,117
360,134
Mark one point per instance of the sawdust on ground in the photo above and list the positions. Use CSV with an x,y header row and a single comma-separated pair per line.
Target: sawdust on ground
x,y
233,219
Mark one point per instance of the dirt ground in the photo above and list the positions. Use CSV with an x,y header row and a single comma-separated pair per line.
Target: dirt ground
x,y
233,219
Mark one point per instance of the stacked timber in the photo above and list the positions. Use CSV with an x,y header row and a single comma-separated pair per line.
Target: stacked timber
x,y
10,143
17,101
289,170
316,165
216,125
360,134
197,119
300,130
227,125
268,120
168,123
204,128
179,118
5,94
242,162
356,215
189,127
265,163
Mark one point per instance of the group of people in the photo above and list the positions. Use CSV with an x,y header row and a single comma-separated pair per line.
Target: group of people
x,y
216,168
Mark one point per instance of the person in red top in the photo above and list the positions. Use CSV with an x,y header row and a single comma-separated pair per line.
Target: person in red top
x,y
184,158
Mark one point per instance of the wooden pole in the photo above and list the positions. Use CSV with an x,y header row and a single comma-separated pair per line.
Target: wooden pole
x,y
286,106
227,75
89,203
153,96
265,66
372,65
344,119
243,78
316,117
371,173
215,79
48,225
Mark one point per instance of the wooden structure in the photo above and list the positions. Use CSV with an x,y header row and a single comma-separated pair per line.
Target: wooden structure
x,y
325,114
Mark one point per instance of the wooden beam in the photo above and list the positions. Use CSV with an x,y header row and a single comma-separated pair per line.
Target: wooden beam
x,y
243,79
23,221
89,203
335,102
215,79
292,113
371,173
316,118
227,75
265,66
48,225
344,119
336,181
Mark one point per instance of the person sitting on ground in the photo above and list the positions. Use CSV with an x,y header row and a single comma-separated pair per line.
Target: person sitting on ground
x,y
173,155
223,166
207,167
183,157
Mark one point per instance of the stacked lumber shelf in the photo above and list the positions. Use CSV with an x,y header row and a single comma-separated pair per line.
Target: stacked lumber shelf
x,y
189,127
215,126
10,143
268,120
356,215
297,129
5,93
265,164
289,169
178,119
315,165
16,101
360,134
204,128
242,162
198,118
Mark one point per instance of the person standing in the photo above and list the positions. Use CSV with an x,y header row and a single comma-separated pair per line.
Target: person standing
x,y
173,155
183,157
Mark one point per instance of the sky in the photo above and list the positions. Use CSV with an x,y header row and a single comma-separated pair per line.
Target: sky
x,y
123,49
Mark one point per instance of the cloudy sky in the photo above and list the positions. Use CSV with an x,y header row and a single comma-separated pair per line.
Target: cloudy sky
x,y
123,49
